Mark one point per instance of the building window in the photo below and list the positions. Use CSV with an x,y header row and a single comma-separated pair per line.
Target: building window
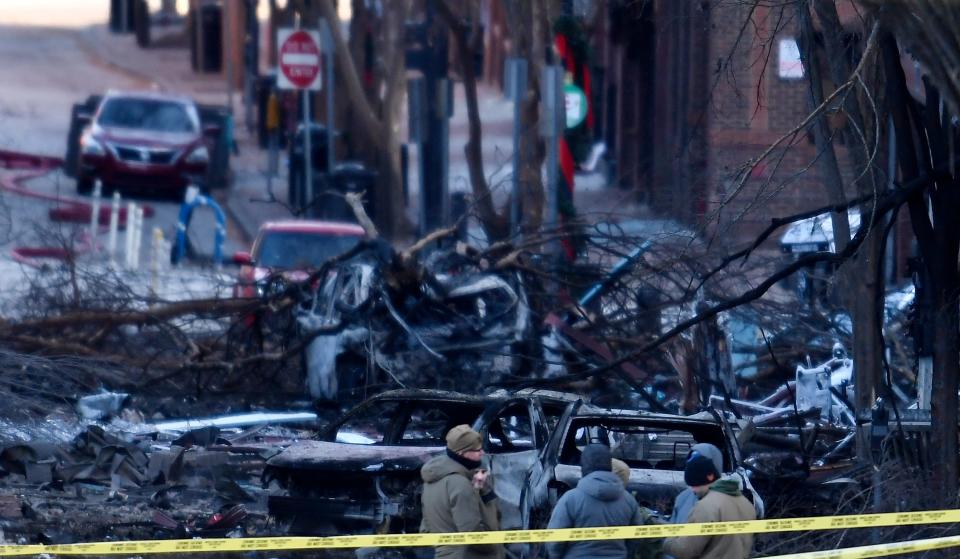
x,y
790,66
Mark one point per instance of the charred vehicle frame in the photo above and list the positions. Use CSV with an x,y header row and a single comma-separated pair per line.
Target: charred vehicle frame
x,y
362,475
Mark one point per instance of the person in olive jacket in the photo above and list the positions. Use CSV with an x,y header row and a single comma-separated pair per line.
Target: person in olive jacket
x,y
458,496
719,500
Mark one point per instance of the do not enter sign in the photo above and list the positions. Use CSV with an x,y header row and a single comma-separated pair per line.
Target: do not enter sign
x,y
299,59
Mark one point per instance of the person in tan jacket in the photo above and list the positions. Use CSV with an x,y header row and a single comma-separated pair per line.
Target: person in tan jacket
x,y
458,496
720,500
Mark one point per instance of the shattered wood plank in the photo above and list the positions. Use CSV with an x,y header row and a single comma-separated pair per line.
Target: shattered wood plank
x,y
202,459
10,507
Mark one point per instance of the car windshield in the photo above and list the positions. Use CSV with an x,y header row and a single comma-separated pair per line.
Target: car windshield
x,y
426,423
296,251
641,444
369,425
407,423
146,114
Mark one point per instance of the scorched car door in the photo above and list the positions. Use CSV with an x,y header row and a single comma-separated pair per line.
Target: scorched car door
x,y
509,440
535,503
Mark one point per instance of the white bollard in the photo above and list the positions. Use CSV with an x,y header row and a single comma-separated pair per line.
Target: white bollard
x,y
95,214
114,225
167,251
137,236
128,237
156,256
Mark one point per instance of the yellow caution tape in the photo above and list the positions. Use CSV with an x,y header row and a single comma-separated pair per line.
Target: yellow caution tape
x,y
877,550
506,536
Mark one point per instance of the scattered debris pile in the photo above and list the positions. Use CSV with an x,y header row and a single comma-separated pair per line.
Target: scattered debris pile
x,y
806,431
122,480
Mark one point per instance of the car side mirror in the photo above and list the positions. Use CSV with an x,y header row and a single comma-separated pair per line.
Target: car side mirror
x,y
211,130
242,258
84,119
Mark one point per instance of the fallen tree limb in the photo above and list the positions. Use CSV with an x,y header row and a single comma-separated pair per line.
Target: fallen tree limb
x,y
891,201
355,201
201,307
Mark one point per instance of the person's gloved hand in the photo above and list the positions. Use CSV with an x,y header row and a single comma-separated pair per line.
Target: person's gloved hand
x,y
482,481
480,478
650,516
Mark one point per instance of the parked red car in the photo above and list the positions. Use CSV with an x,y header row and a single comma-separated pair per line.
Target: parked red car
x,y
147,141
294,248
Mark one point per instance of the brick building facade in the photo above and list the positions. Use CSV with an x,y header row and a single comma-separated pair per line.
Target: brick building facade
x,y
687,92
697,95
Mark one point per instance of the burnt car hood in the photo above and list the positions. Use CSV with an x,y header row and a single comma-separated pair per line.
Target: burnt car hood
x,y
321,455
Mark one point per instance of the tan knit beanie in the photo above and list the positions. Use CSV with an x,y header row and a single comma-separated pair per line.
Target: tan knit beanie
x,y
622,470
462,438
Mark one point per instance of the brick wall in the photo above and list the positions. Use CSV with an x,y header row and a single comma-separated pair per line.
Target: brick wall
x,y
754,108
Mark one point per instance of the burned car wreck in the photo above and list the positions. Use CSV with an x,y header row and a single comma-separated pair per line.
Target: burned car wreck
x,y
362,474
654,445
373,321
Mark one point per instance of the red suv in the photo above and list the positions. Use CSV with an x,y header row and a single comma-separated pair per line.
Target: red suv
x,y
147,141
294,248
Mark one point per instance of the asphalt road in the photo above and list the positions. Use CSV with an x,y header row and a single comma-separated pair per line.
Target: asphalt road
x,y
43,72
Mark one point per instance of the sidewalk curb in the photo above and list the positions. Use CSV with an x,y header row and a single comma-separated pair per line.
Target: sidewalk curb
x,y
243,223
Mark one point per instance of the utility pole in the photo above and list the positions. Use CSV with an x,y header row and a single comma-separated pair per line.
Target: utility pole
x,y
197,13
327,46
227,13
307,148
417,128
515,82
439,105
551,128
251,59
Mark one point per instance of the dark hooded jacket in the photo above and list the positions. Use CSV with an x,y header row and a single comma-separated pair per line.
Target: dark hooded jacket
x,y
599,499
723,503
452,504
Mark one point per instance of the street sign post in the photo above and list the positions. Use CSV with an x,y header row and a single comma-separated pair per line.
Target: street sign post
x,y
299,59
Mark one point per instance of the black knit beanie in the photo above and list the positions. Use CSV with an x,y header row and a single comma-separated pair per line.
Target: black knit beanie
x,y
700,470
595,458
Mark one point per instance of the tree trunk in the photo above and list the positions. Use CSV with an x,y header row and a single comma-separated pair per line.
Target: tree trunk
x,y
377,131
529,33
862,275
390,203
857,281
827,158
496,225
946,372
938,242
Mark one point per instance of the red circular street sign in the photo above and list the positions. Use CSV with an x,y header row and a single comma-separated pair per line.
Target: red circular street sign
x,y
300,59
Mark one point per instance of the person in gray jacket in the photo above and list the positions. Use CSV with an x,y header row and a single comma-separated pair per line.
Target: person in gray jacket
x,y
598,500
